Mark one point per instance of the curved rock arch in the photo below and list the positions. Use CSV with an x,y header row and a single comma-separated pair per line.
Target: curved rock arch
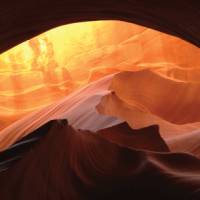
x,y
22,20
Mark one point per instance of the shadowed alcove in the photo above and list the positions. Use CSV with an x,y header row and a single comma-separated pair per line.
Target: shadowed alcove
x,y
99,100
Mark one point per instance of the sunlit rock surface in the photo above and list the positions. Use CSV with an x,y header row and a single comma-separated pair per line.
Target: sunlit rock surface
x,y
46,68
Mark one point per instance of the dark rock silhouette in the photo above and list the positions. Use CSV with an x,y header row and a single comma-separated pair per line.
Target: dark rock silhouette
x,y
69,164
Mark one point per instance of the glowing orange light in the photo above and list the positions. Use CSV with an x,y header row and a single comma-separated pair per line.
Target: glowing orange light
x,y
52,65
